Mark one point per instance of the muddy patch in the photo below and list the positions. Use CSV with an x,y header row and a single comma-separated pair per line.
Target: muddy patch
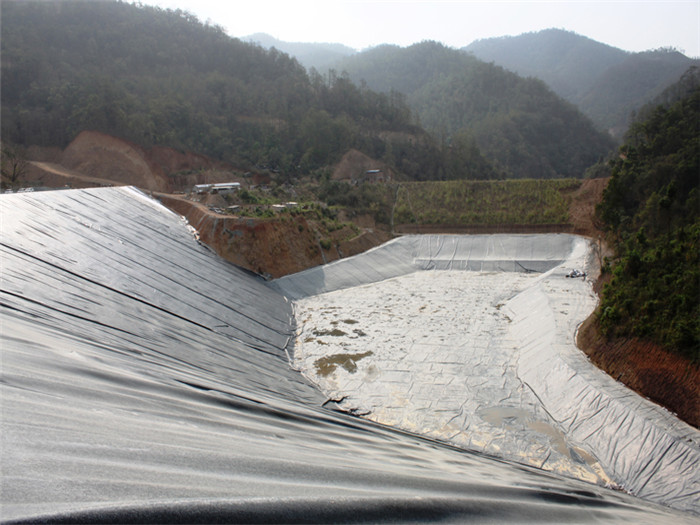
x,y
335,332
328,364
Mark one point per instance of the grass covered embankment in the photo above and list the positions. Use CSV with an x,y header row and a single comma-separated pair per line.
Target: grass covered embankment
x,y
463,206
502,204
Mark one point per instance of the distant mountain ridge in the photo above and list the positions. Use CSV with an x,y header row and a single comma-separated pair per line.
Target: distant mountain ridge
x,y
606,83
517,123
569,63
310,55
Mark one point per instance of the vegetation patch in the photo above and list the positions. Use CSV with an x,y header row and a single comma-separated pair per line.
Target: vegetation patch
x,y
527,201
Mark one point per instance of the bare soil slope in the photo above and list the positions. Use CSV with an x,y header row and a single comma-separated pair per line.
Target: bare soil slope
x,y
666,378
582,209
98,155
102,157
354,165
271,247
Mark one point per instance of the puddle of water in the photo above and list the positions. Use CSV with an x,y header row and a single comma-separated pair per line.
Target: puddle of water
x,y
506,417
515,419
512,418
327,365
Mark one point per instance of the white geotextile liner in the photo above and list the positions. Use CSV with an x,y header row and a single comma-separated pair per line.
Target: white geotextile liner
x,y
643,447
515,253
487,361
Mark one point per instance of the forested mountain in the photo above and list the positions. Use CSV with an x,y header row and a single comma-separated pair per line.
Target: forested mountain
x,y
686,86
318,55
652,208
518,123
161,77
606,83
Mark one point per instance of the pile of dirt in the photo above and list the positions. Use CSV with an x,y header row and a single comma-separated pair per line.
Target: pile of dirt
x,y
171,161
97,159
98,155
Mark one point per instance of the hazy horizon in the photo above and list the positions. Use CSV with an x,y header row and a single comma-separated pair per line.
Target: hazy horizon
x,y
359,24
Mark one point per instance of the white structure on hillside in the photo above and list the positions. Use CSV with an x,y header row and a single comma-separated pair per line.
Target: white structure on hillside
x,y
223,187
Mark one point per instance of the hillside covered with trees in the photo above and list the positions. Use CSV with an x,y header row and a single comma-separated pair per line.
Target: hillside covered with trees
x,y
606,83
651,208
161,77
517,123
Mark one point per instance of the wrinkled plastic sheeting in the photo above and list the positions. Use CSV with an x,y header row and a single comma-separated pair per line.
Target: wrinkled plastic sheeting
x,y
403,255
429,353
640,446
649,452
146,380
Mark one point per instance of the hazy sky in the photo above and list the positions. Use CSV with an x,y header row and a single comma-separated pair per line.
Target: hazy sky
x,y
629,25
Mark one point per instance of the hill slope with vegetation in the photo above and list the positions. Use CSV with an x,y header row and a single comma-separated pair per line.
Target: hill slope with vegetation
x,y
161,77
518,124
646,332
606,83
652,208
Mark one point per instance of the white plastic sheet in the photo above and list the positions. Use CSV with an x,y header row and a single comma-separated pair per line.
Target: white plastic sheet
x,y
485,359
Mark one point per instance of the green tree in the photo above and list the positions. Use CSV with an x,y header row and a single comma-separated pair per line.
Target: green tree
x,y
13,165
